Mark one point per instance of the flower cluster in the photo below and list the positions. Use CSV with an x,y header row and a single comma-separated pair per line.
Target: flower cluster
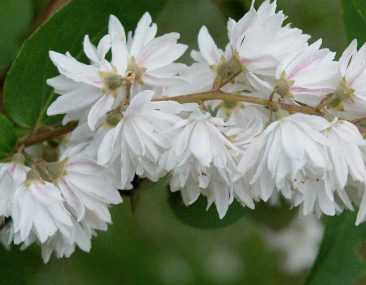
x,y
273,115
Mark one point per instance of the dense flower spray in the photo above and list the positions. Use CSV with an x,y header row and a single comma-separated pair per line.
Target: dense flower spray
x,y
270,115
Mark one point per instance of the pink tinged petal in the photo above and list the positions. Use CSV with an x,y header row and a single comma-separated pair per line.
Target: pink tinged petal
x,y
74,100
208,47
99,109
313,58
75,70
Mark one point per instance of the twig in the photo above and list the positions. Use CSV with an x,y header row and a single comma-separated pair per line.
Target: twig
x,y
42,136
233,97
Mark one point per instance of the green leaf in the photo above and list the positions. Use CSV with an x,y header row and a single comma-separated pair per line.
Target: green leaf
x,y
26,95
342,256
355,19
15,20
7,137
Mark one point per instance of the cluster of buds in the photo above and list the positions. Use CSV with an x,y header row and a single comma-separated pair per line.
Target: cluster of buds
x,y
271,116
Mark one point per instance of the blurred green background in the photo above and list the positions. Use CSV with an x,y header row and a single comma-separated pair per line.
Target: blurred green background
x,y
149,245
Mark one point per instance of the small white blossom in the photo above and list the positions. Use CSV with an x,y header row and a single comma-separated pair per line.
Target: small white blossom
x,y
144,60
346,146
134,146
201,160
38,210
309,76
262,42
289,158
153,56
87,189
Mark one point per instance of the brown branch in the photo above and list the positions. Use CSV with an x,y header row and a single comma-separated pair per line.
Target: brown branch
x,y
232,97
42,136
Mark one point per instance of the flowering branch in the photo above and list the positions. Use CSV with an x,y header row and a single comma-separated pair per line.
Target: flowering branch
x,y
224,154
43,135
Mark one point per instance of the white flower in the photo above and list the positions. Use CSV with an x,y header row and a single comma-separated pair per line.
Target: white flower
x,y
135,144
153,56
346,146
351,92
87,188
99,87
290,157
201,160
63,243
346,151
81,86
261,42
309,76
38,210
